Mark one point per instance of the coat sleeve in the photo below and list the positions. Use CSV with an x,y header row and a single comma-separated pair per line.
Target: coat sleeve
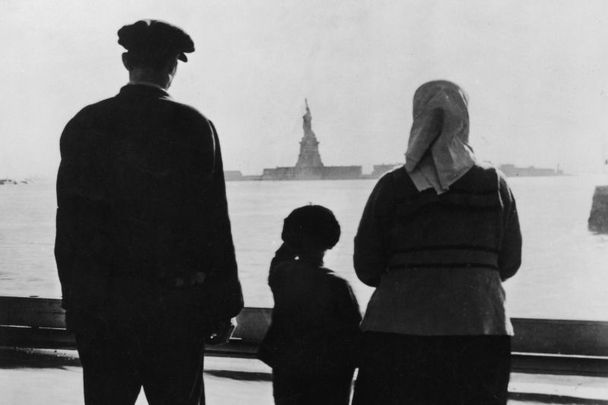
x,y
223,269
65,221
371,246
509,257
225,259
80,204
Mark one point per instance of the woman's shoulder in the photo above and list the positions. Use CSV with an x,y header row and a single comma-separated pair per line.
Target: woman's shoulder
x,y
395,176
394,185
493,175
482,177
483,169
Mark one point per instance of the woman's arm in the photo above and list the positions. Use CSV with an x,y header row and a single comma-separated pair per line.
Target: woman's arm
x,y
371,252
509,257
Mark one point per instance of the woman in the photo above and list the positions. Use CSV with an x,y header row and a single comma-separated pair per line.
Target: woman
x,y
436,239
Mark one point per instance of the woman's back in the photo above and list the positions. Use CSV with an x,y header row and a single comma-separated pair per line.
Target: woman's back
x,y
437,260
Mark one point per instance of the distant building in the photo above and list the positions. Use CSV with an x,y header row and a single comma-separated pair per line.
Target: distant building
x,y
511,170
237,175
309,165
233,175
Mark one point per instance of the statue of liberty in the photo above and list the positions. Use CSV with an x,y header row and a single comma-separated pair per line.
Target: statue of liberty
x,y
309,146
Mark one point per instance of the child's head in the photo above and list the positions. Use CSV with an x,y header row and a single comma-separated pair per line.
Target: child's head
x,y
311,227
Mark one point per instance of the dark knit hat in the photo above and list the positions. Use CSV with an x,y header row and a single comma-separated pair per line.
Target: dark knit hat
x,y
314,221
154,38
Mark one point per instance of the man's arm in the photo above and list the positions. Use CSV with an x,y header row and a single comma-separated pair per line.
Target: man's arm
x,y
224,255
69,205
63,246
223,267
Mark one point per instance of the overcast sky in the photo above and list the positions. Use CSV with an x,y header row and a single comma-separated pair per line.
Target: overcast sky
x,y
536,73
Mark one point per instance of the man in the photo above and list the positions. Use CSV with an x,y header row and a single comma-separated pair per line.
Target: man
x,y
144,249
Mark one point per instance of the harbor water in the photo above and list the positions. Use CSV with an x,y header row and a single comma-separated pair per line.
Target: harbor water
x,y
564,274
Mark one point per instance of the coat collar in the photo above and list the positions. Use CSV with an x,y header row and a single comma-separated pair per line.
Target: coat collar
x,y
143,90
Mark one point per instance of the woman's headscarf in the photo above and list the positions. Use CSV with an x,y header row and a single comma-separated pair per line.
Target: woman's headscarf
x,y
438,153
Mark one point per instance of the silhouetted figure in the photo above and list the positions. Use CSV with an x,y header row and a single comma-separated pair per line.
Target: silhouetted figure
x,y
315,321
144,248
436,239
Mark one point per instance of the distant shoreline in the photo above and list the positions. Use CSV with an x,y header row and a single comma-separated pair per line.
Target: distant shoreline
x,y
298,174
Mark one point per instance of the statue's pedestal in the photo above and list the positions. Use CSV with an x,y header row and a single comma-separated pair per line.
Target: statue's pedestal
x,y
598,219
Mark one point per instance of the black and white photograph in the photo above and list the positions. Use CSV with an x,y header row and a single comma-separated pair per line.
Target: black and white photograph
x,y
304,202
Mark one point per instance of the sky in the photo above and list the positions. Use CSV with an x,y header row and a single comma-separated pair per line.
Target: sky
x,y
536,74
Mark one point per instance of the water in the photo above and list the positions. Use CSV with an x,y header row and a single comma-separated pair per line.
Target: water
x,y
563,275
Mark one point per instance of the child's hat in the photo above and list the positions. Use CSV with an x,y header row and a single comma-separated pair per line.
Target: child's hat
x,y
316,222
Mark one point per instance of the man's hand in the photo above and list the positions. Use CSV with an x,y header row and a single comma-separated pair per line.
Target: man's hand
x,y
69,322
221,332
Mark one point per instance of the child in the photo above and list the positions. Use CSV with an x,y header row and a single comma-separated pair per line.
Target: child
x,y
315,321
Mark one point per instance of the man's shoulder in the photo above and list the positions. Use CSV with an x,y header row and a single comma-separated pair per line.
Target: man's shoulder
x,y
186,109
83,128
93,109
84,120
190,113
105,109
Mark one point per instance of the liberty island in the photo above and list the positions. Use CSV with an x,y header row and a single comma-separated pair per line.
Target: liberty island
x,y
309,165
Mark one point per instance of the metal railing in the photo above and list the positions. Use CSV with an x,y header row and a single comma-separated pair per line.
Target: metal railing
x,y
547,346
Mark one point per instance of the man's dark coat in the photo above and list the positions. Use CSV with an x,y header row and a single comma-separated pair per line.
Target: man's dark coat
x,y
141,195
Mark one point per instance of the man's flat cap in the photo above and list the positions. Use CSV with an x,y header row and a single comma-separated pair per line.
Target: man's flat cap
x,y
154,37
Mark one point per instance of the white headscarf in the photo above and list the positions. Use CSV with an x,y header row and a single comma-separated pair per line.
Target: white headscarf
x,y
438,153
